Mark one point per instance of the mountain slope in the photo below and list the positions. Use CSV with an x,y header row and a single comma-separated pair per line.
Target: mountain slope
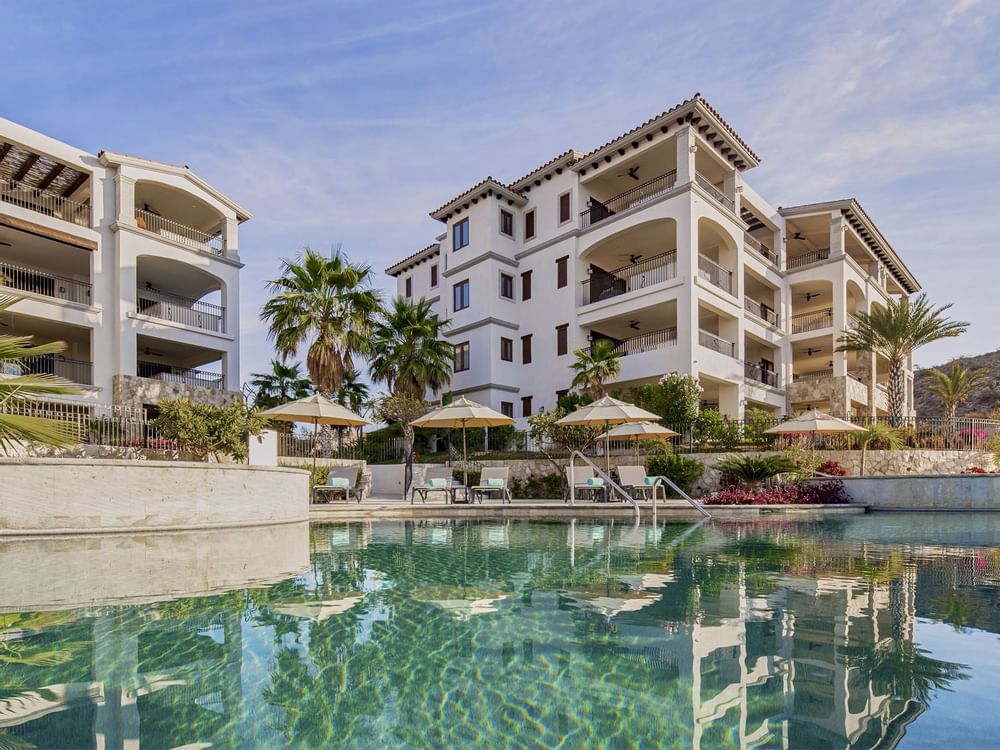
x,y
984,400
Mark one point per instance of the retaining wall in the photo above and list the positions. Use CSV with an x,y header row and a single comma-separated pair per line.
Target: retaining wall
x,y
926,492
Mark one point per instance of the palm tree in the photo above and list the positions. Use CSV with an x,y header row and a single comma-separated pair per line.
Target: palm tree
x,y
408,352
353,393
877,432
17,388
327,304
285,382
895,332
596,366
955,386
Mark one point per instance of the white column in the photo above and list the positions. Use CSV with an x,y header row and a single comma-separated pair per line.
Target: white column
x,y
125,190
687,146
837,228
230,236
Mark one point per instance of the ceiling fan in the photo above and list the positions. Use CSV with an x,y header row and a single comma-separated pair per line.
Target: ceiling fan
x,y
634,325
150,353
798,236
633,258
632,172
810,296
810,351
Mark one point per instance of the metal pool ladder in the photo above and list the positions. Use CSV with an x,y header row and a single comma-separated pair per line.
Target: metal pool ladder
x,y
670,483
603,475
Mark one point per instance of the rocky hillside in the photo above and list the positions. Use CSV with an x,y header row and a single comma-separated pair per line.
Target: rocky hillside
x,y
984,401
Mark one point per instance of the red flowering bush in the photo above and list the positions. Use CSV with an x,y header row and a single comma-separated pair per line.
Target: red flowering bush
x,y
832,468
976,470
811,493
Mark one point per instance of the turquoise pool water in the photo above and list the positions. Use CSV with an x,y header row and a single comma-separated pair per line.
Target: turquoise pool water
x,y
874,631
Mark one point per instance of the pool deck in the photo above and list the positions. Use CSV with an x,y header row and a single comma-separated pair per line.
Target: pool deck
x,y
397,508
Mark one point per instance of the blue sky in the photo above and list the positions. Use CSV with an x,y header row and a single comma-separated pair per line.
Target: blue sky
x,y
348,121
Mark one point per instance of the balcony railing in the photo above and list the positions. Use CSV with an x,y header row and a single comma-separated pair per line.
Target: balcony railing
x,y
602,286
756,372
806,259
852,322
715,274
814,375
74,370
760,248
705,184
761,311
647,191
646,342
812,321
178,232
171,374
183,310
33,199
41,282
713,342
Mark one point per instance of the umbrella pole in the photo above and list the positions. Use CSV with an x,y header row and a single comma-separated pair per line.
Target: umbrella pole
x,y
607,446
315,443
465,458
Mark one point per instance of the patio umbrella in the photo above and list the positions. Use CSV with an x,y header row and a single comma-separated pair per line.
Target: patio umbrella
x,y
318,410
463,413
815,423
636,431
321,610
608,411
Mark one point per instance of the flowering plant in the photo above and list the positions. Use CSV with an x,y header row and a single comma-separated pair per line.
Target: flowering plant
x,y
818,493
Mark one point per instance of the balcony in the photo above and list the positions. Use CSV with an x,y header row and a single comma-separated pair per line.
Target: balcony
x,y
36,281
713,342
759,374
47,204
183,310
172,230
806,259
761,311
705,184
715,274
647,191
74,370
40,184
812,321
646,342
609,284
173,374
760,249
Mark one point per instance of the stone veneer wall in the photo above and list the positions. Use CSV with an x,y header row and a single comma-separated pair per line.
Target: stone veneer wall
x,y
131,390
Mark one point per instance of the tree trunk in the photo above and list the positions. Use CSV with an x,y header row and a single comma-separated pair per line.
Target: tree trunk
x,y
897,384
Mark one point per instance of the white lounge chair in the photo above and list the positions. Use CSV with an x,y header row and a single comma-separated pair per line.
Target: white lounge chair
x,y
633,480
436,479
342,481
576,477
493,481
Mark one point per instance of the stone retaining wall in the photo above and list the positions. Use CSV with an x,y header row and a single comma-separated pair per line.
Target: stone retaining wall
x,y
926,492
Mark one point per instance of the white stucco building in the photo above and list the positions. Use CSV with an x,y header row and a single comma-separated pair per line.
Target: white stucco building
x,y
134,264
656,241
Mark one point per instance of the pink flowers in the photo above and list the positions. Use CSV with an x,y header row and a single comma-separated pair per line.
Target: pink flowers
x,y
823,493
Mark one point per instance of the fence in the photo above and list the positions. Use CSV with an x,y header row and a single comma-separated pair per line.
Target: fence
x,y
647,191
174,230
37,281
33,199
97,424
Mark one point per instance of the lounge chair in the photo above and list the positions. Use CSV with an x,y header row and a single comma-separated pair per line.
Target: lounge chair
x,y
577,477
436,479
493,481
342,481
633,480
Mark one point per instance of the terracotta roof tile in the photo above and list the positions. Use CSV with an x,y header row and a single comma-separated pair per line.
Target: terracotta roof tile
x,y
489,182
570,152
400,265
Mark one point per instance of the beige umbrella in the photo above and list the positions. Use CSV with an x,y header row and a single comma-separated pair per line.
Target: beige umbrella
x,y
318,410
463,413
461,602
815,423
321,610
636,431
608,411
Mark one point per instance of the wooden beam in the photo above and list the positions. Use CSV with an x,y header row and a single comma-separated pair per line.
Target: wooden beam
x,y
75,185
25,167
48,179
3,151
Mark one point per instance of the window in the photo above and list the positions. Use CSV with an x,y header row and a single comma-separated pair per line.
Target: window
x,y
526,350
462,357
564,208
507,409
506,223
525,286
461,295
506,286
434,276
460,235
562,339
562,272
529,225
506,349
525,406
409,286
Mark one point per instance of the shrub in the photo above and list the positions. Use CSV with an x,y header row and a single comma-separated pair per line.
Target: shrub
x,y
812,493
753,469
754,424
204,429
538,487
713,429
473,475
832,468
683,472
675,398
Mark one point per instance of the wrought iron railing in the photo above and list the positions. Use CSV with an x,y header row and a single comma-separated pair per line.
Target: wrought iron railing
x,y
705,184
42,282
761,375
647,191
171,374
715,343
39,201
183,310
645,342
97,424
173,230
761,311
812,321
760,248
814,375
605,285
74,370
715,274
806,259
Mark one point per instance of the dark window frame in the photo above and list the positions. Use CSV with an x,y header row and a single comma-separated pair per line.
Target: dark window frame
x,y
526,407
567,199
408,286
562,339
460,234
506,349
507,217
462,357
509,278
526,349
507,409
562,272
525,286
467,296
529,225
434,276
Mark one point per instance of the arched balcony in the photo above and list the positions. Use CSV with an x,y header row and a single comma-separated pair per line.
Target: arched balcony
x,y
180,293
637,258
178,216
716,256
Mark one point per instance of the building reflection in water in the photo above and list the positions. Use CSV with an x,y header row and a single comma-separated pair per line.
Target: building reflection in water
x,y
464,634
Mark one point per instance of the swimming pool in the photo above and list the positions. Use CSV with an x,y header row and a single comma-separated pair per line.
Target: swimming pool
x,y
870,631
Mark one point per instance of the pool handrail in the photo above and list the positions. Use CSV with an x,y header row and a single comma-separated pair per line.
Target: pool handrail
x,y
603,475
660,479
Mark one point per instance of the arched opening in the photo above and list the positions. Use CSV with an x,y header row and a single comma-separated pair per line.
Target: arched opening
x,y
178,215
179,292
636,258
716,255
